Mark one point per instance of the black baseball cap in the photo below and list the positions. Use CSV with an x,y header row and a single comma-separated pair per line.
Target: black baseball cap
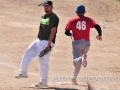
x,y
48,2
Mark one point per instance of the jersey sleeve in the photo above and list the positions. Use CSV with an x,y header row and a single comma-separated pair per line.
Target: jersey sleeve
x,y
92,23
69,25
54,21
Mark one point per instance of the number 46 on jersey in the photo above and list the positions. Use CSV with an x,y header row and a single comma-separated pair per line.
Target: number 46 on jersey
x,y
81,25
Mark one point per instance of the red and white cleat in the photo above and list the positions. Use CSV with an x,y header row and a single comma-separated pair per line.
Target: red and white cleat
x,y
74,82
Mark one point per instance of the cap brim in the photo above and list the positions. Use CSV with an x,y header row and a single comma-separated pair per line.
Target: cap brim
x,y
47,4
41,4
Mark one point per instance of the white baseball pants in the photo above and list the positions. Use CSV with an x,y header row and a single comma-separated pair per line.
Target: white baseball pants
x,y
32,51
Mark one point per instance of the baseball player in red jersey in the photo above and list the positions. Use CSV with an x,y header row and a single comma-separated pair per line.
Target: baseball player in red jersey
x,y
80,26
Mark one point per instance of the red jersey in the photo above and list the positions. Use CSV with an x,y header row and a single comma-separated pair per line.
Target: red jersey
x,y
80,26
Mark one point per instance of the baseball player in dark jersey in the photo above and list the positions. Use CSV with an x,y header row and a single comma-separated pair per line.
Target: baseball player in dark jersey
x,y
80,26
46,39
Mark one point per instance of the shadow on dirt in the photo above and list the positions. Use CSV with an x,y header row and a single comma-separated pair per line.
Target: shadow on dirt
x,y
51,88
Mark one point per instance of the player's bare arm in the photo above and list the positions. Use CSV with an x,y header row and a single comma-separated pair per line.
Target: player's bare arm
x,y
53,32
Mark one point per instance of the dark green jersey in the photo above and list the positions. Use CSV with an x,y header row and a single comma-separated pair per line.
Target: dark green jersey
x,y
47,22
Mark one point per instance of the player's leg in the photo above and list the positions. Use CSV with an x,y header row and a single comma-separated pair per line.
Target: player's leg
x,y
86,47
77,57
29,54
77,67
44,64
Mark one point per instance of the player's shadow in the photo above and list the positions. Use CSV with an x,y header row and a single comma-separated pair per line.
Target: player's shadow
x,y
52,88
55,88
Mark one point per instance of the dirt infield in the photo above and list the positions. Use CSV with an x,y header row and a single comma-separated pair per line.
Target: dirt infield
x,y
19,23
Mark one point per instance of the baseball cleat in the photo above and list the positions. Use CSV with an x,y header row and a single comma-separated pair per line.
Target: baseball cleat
x,y
40,85
84,61
21,76
74,82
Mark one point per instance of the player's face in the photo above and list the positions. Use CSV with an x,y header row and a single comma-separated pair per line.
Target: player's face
x,y
48,8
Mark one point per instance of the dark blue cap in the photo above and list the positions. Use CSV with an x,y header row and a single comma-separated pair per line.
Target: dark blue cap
x,y
80,8
48,2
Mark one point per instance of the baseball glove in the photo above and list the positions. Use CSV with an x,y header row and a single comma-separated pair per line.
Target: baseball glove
x,y
44,51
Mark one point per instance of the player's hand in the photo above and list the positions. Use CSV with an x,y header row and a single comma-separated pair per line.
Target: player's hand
x,y
99,37
48,46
